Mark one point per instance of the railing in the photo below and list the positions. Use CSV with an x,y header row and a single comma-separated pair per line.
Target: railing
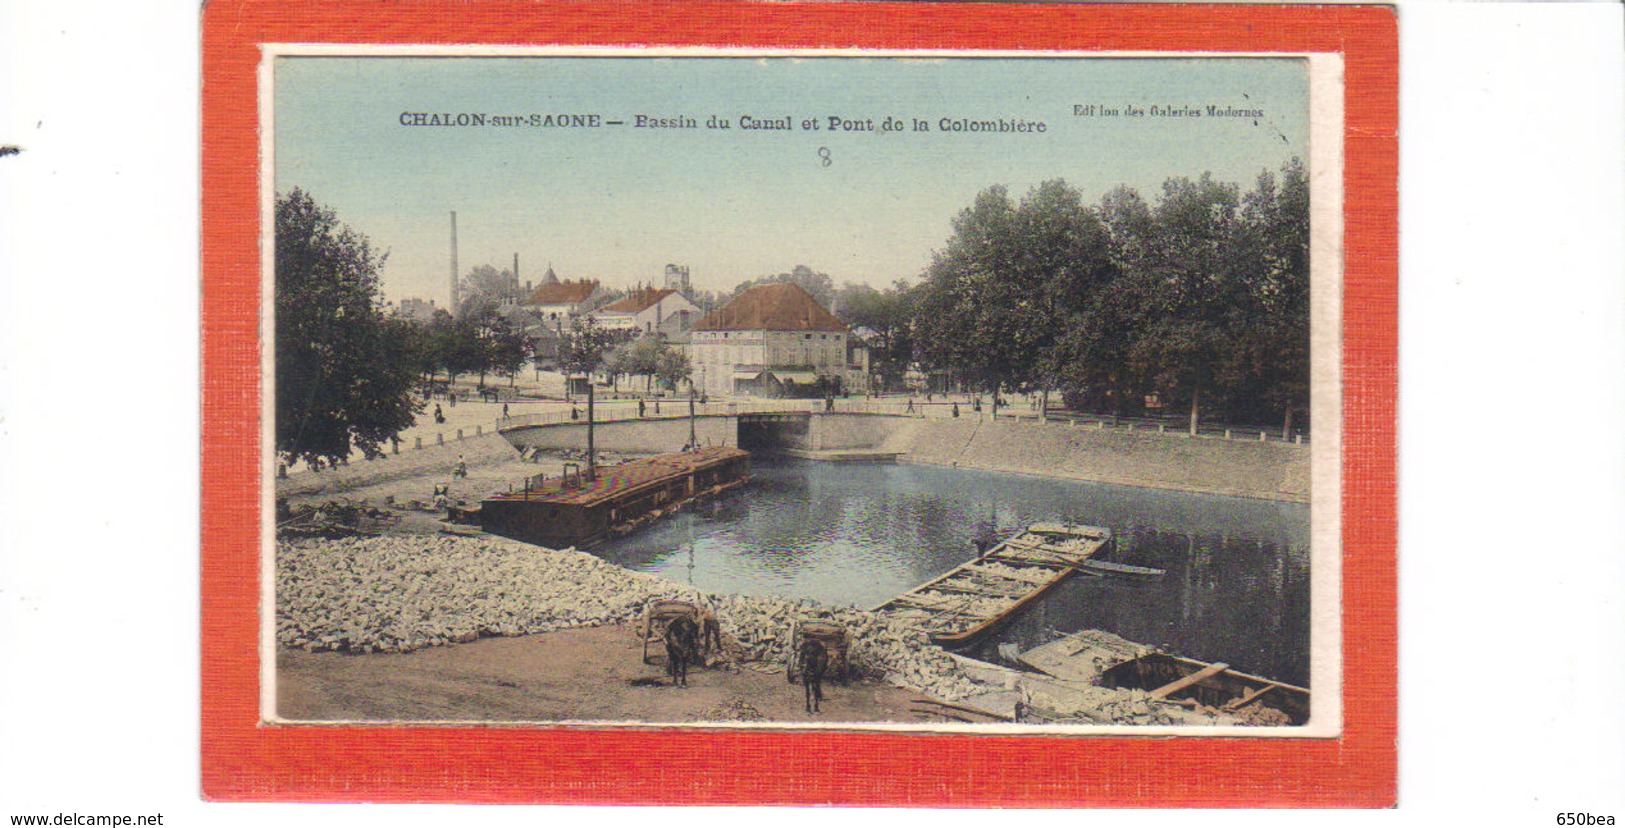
x,y
616,411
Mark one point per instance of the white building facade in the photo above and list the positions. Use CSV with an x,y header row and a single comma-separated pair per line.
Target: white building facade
x,y
649,311
772,340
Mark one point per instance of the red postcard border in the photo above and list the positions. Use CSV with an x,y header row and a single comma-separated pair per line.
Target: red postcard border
x,y
242,760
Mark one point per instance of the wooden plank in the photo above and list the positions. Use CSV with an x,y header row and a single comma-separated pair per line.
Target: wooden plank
x,y
1030,556
912,600
1249,698
979,589
963,709
1176,686
1123,569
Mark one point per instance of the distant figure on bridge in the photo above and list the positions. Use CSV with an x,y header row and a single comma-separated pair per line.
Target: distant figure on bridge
x,y
504,411
956,410
829,403
910,409
575,413
640,408
657,408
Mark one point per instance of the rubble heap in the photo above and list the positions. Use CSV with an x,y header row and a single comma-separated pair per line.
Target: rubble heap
x,y
399,594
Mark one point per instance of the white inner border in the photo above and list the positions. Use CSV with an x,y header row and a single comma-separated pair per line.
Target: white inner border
x,y
1326,103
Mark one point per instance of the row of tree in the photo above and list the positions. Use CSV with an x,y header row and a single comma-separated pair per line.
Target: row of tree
x,y
1198,300
478,340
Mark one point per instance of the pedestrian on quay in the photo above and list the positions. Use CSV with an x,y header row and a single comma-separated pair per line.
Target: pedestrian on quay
x,y
454,399
504,411
575,413
439,416
910,409
956,410
640,408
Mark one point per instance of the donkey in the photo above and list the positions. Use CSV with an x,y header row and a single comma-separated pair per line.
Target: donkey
x,y
682,649
814,661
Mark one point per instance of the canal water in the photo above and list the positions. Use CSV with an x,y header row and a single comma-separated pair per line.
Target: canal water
x,y
858,534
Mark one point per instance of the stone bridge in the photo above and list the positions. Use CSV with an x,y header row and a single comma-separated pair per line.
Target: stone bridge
x,y
790,431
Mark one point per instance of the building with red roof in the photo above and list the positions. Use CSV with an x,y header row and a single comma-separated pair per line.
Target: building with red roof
x,y
649,310
555,302
771,340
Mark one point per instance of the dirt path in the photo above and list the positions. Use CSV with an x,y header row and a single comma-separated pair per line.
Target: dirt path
x,y
585,674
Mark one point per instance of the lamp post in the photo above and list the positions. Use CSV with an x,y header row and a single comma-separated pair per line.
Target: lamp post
x,y
693,439
592,455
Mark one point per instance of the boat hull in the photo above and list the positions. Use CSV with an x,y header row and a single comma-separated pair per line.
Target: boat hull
x,y
1214,685
965,604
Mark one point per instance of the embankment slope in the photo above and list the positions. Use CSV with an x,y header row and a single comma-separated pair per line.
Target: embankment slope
x,y
1240,468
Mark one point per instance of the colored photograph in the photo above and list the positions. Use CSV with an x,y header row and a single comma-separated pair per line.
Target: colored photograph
x,y
802,390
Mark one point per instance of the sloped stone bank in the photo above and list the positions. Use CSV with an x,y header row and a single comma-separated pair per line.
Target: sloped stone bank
x,y
1236,468
430,461
399,594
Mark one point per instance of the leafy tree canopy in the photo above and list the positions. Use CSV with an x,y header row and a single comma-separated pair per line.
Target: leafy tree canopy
x,y
344,371
819,285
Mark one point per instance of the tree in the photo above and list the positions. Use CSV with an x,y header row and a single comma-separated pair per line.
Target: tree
x,y
819,285
1277,217
508,346
485,288
1206,302
344,371
1010,279
642,358
672,367
582,351
583,347
889,316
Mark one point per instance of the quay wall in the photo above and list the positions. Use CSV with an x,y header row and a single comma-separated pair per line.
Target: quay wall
x,y
1211,465
839,431
1207,464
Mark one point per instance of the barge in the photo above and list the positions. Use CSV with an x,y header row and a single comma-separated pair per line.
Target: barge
x,y
581,510
1176,679
972,599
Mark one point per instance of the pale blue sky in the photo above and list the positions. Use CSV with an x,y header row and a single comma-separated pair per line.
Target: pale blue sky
x,y
617,203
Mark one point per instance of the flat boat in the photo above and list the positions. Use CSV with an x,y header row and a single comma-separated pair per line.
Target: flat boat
x,y
584,510
969,601
1175,678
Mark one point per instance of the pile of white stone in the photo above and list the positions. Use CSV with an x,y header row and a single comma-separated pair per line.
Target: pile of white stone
x,y
398,594
880,647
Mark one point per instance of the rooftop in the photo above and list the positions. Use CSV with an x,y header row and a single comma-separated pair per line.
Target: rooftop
x,y
780,307
638,302
563,293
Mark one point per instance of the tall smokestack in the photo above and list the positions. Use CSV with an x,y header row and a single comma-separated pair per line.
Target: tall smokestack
x,y
454,261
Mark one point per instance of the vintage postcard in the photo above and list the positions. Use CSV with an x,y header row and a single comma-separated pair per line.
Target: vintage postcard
x,y
635,391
